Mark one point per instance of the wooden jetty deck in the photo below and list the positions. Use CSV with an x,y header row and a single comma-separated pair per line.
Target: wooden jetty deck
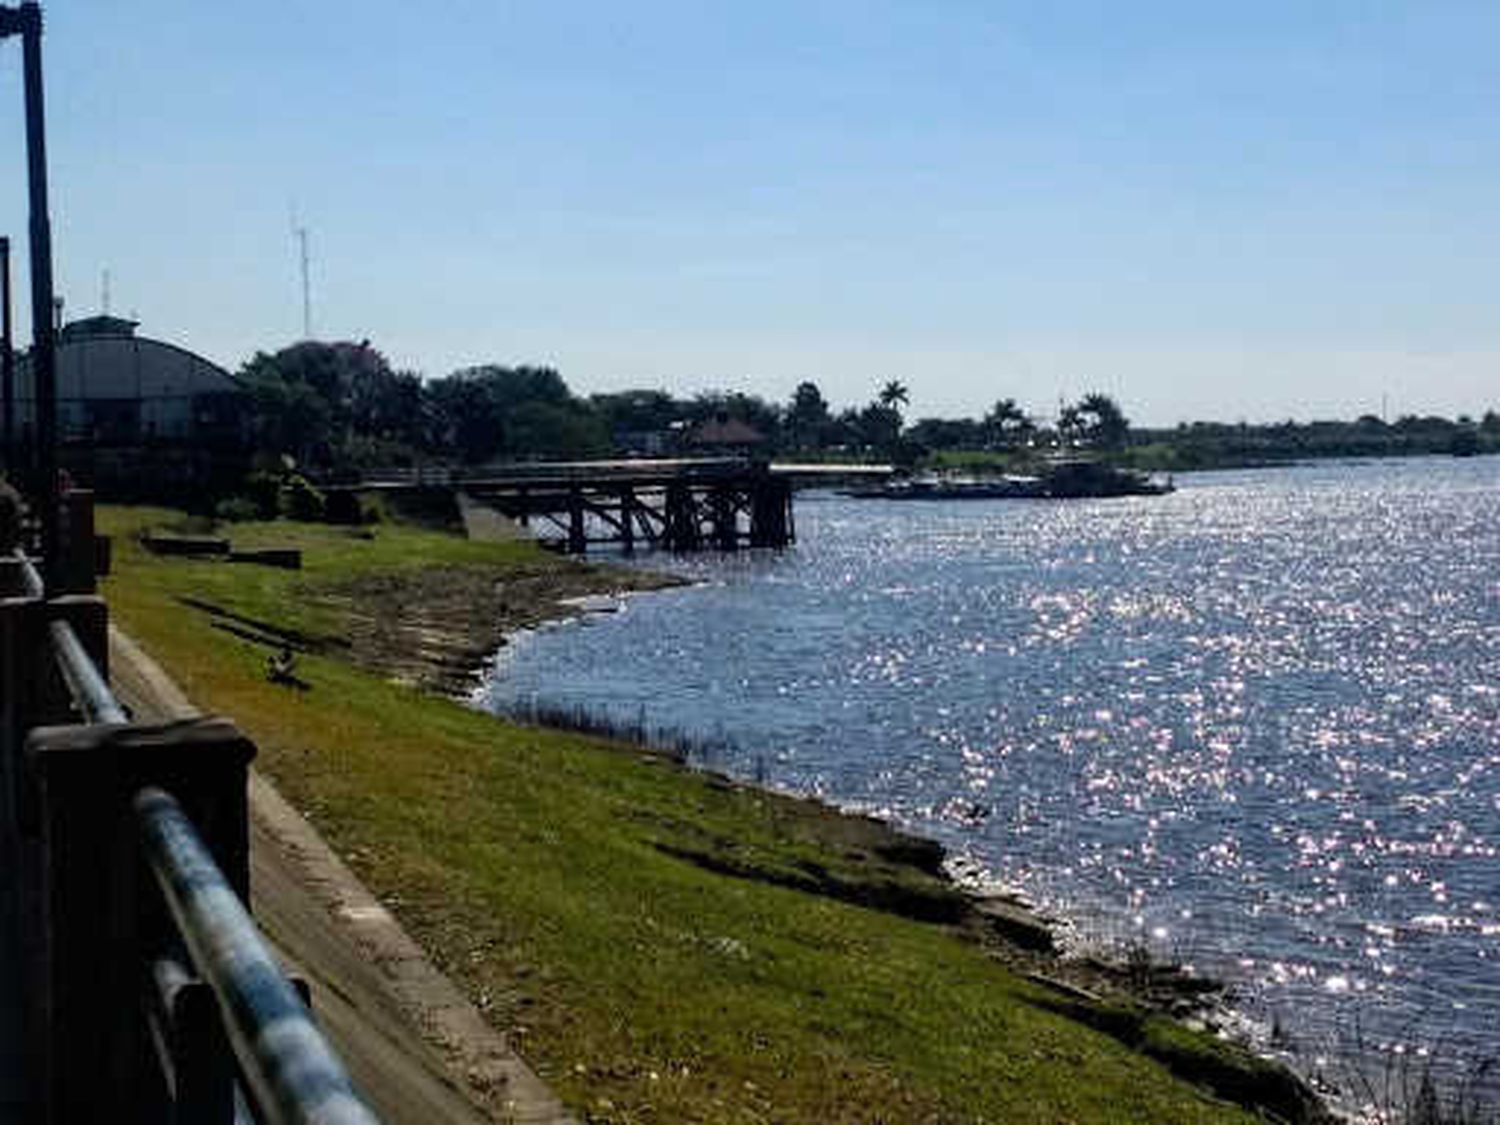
x,y
680,508
681,504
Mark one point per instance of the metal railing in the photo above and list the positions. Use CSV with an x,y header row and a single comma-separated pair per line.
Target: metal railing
x,y
91,695
290,1072
154,994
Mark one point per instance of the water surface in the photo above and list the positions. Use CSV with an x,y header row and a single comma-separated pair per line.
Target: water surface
x,y
1255,724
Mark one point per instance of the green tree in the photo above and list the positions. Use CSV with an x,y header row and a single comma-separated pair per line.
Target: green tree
x,y
313,400
626,414
807,419
1104,423
289,418
946,433
894,394
880,422
1007,425
879,427
490,411
1070,425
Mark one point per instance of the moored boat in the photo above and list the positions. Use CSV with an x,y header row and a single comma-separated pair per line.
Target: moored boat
x,y
1068,478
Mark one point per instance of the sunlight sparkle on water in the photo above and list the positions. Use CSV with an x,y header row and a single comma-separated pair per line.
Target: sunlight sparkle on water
x,y
1271,700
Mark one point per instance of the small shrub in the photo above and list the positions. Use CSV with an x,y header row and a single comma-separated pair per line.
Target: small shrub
x,y
301,501
263,490
237,509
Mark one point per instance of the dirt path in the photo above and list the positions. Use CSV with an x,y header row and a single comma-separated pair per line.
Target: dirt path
x,y
371,985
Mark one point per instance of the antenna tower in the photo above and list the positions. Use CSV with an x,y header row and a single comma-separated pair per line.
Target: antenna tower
x,y
104,292
301,233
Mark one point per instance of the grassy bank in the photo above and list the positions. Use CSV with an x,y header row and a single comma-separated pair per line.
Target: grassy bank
x,y
664,945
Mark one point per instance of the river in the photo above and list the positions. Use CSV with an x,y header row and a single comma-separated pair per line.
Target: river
x,y
1253,725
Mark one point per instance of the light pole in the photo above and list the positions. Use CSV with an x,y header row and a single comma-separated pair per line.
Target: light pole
x,y
25,20
7,362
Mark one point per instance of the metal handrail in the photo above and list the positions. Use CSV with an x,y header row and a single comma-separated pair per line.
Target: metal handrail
x,y
288,1072
31,578
293,1076
88,688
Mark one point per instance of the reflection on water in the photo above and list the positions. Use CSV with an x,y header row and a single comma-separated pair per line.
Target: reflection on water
x,y
1256,722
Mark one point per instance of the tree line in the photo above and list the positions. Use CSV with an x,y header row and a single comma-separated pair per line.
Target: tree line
x,y
330,407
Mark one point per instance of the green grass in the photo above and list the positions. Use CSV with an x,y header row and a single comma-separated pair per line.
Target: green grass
x,y
561,880
975,460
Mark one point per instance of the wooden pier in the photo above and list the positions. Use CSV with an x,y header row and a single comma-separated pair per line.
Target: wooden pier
x,y
673,505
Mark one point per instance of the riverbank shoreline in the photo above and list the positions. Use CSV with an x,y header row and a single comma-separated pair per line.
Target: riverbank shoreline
x,y
608,907
1026,939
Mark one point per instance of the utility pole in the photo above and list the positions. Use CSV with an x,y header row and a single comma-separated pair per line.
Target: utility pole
x,y
7,362
25,20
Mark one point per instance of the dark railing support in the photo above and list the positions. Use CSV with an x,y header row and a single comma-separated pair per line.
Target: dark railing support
x,y
194,1057
76,544
92,924
144,1002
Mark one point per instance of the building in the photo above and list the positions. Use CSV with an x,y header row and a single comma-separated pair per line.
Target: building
x,y
135,413
725,435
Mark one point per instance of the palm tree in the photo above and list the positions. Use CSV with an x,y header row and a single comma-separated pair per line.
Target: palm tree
x,y
1007,422
881,420
1070,425
894,392
1103,421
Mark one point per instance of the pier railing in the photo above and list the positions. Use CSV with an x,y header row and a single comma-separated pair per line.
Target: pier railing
x,y
150,992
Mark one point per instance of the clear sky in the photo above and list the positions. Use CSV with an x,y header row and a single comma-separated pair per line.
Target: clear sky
x,y
1259,211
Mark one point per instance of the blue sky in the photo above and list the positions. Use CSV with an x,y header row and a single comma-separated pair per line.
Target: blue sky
x,y
1211,211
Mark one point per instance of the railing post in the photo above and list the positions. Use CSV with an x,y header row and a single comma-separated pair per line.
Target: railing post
x,y
96,917
12,585
197,1053
22,672
74,573
31,688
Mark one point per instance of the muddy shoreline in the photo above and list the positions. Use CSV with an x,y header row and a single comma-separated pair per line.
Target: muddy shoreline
x,y
435,629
